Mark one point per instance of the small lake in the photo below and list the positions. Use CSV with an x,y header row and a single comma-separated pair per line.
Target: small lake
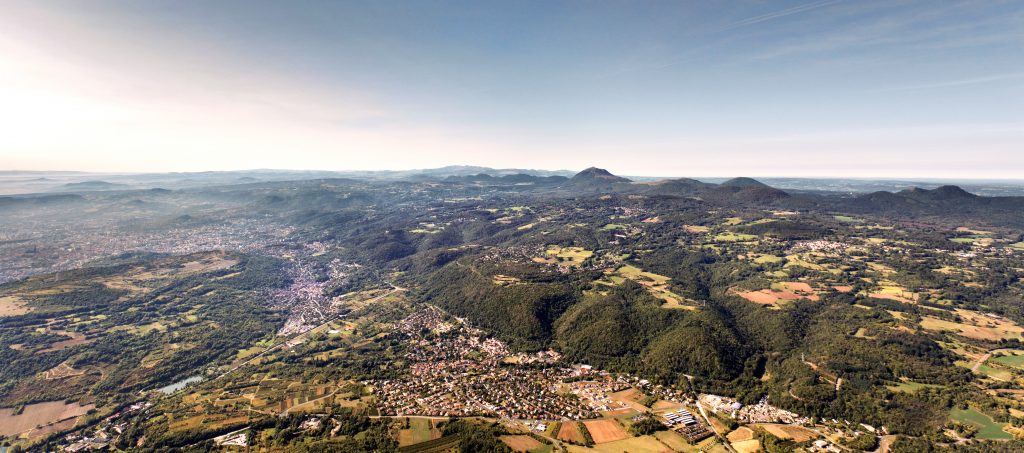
x,y
180,384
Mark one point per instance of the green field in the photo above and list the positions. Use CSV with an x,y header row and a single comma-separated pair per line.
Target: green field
x,y
910,386
847,219
1015,360
573,256
419,431
995,373
988,428
730,236
768,259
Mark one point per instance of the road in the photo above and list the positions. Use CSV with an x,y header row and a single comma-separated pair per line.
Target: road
x,y
981,361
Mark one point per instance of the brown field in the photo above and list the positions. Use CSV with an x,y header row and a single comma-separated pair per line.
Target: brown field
x,y
77,338
664,405
570,433
629,397
607,430
797,433
52,428
779,291
521,443
786,295
12,306
741,434
747,446
39,414
624,412
798,287
630,394
763,297
843,289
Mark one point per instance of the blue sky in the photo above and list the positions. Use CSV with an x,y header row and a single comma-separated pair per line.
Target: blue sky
x,y
805,88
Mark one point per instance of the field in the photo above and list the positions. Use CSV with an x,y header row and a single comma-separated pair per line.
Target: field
x,y
730,236
62,371
768,259
505,280
642,444
674,440
910,387
781,291
570,432
39,414
443,445
571,256
420,430
804,260
897,293
665,405
630,397
763,297
797,433
523,443
847,219
998,374
1013,359
740,434
987,428
607,430
656,284
747,446
12,306
975,325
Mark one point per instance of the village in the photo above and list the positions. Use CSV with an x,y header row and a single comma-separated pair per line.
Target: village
x,y
456,371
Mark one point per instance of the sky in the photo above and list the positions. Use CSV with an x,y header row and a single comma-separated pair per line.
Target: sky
x,y
838,88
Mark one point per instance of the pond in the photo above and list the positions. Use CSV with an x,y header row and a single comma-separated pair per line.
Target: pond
x,y
180,384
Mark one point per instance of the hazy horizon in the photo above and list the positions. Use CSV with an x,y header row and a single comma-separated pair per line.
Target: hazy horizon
x,y
568,171
830,88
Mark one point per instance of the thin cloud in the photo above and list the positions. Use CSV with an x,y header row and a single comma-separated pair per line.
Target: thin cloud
x,y
783,13
955,83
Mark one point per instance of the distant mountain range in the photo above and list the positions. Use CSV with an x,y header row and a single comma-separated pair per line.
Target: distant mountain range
x,y
593,179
